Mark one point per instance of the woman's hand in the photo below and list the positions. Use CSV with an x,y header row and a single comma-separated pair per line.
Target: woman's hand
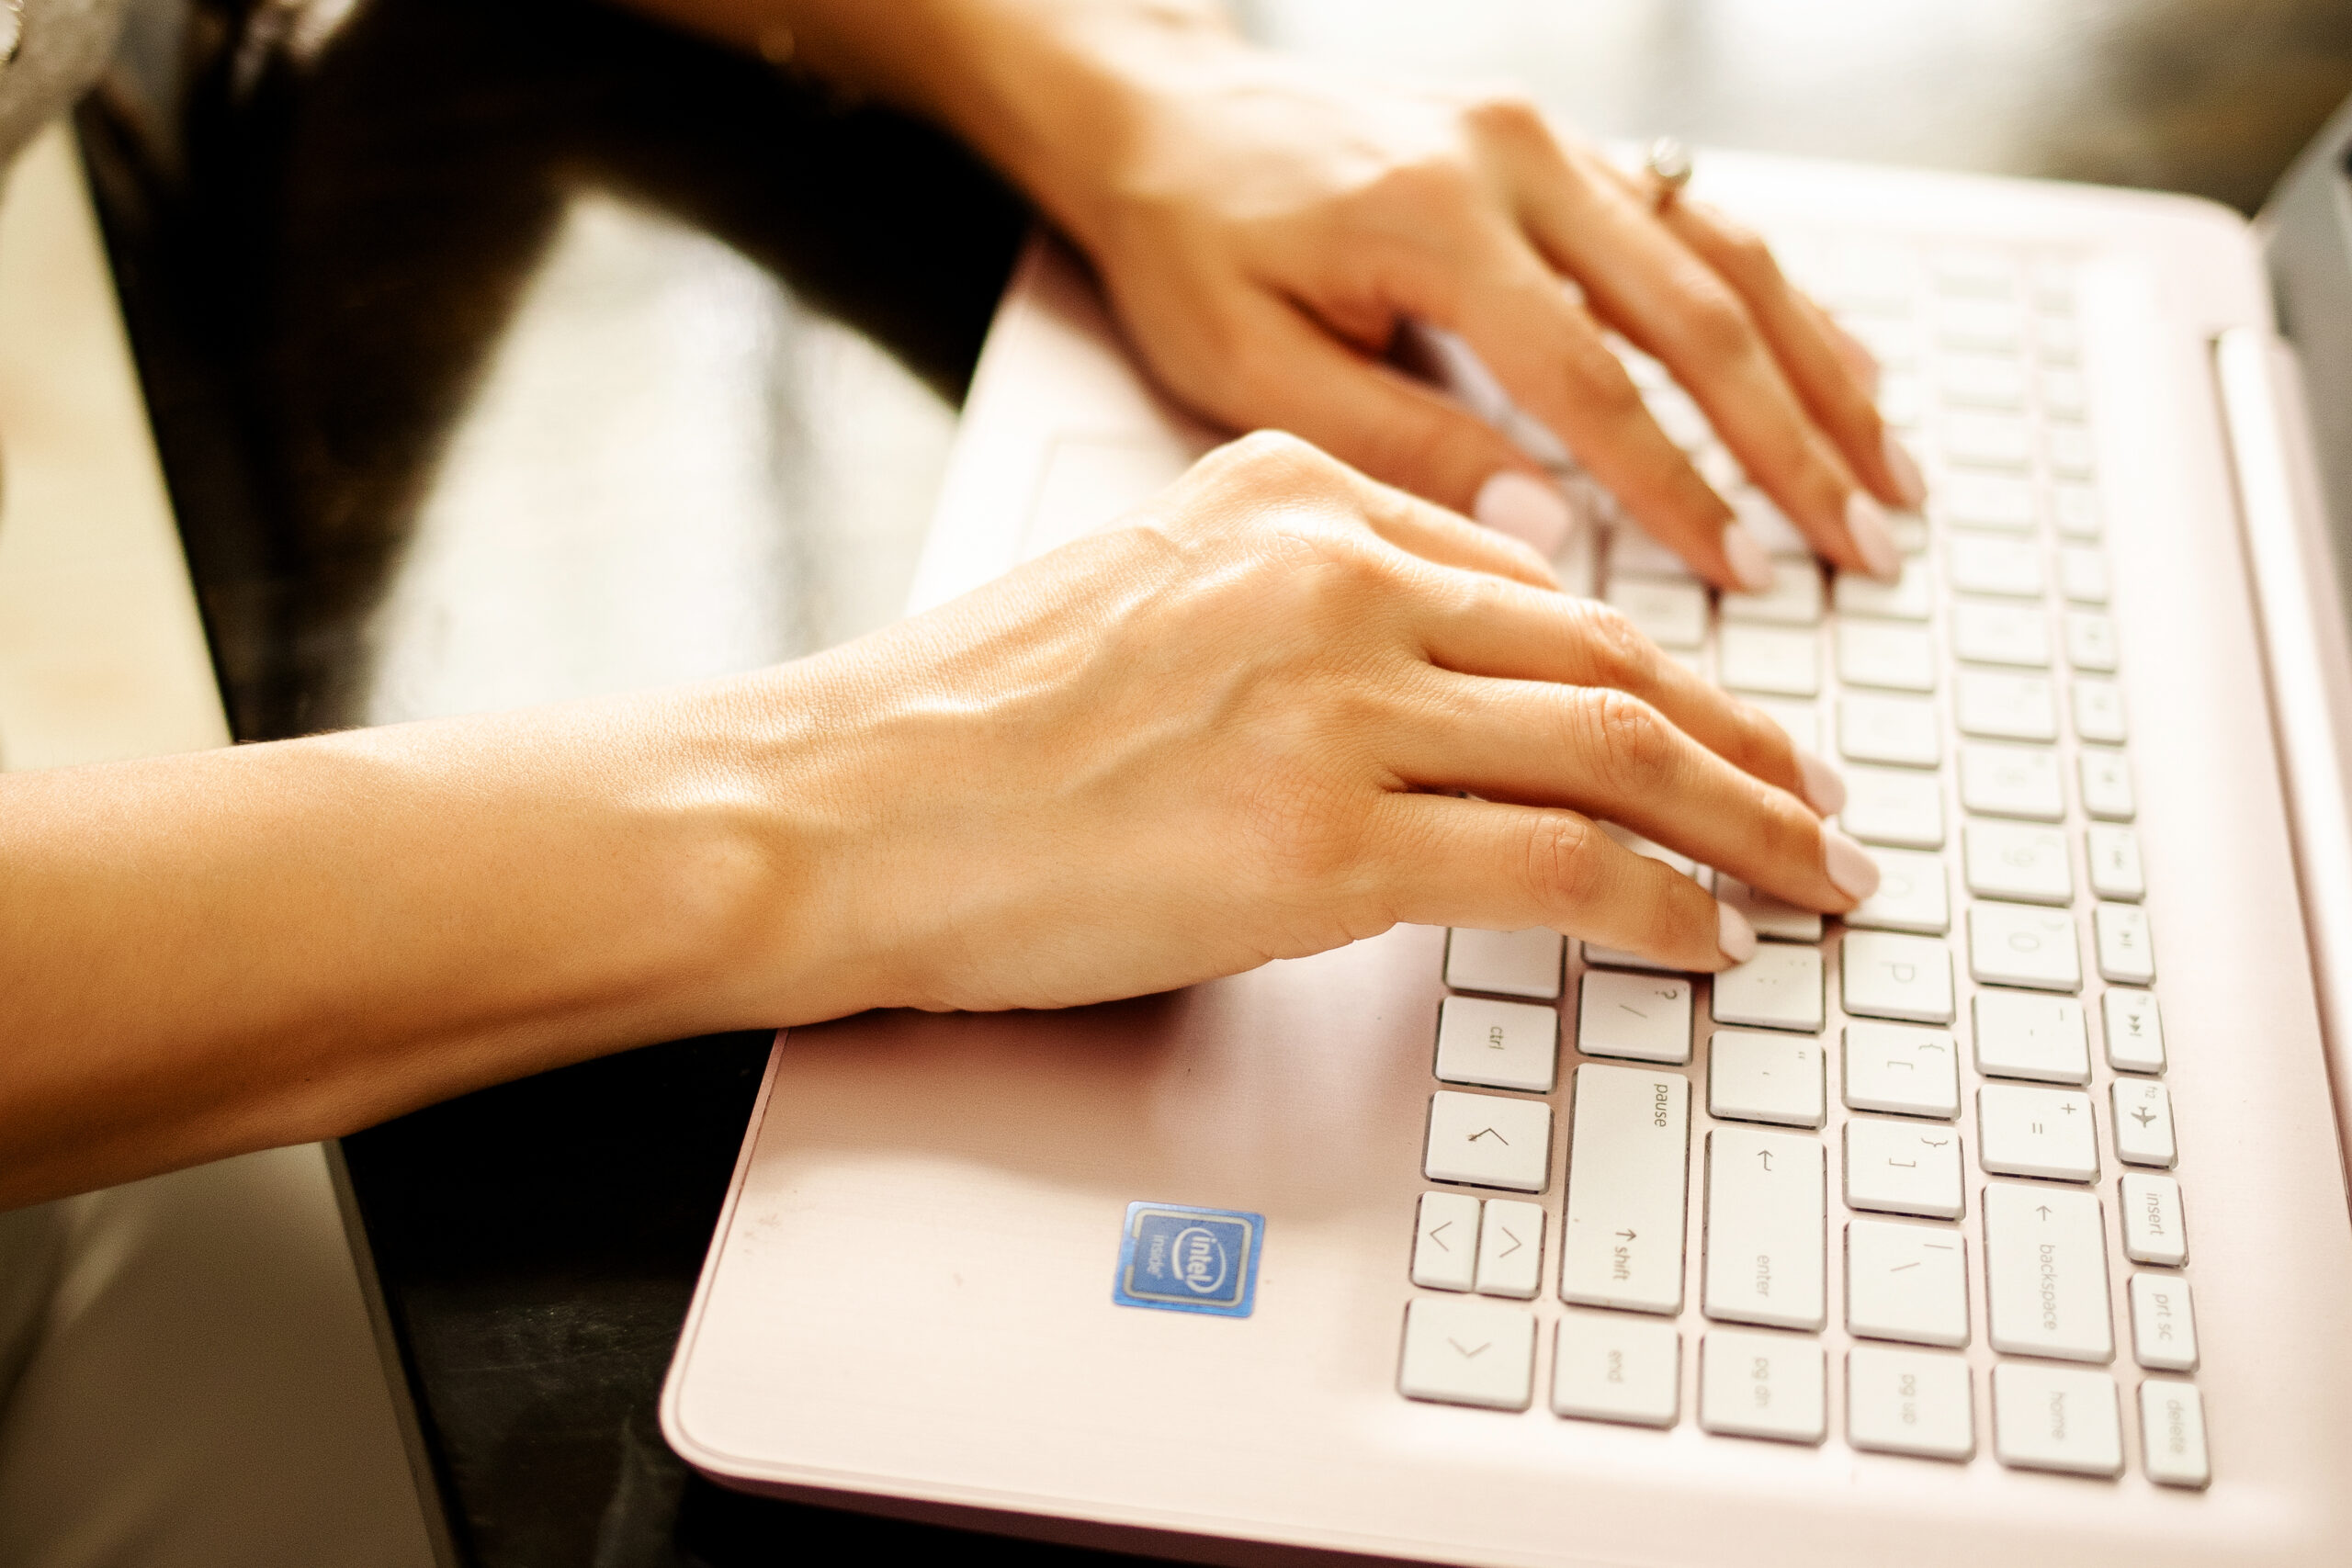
x,y
1285,708
1264,227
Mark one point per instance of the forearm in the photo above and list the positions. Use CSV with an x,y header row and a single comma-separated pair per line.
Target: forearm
x,y
205,954
1043,89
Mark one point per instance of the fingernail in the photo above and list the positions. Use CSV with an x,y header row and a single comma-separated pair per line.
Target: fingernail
x,y
1751,567
1909,482
1734,934
1872,537
1848,864
1824,790
1527,509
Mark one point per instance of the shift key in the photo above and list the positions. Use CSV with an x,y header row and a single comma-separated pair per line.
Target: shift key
x,y
1629,1147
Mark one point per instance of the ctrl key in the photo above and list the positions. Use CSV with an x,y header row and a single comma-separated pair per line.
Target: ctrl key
x,y
1463,1350
1610,1367
1762,1385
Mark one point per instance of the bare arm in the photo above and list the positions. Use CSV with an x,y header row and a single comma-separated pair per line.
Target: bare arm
x,y
1234,731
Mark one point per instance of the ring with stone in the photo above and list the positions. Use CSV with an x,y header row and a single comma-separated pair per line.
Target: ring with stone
x,y
1668,163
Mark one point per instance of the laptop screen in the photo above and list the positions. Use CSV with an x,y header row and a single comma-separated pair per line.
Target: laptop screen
x,y
2306,231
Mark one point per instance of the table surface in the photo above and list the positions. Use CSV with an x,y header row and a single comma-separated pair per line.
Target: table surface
x,y
504,354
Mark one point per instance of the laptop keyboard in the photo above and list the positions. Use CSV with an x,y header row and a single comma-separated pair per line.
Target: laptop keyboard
x,y
1938,1124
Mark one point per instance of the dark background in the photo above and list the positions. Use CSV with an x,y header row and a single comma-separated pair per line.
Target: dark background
x,y
502,351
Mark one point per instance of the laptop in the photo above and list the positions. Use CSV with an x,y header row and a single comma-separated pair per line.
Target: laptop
x,y
2004,1219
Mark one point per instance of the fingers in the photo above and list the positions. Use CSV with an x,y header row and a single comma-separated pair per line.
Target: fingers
x,y
1505,867
1613,756
1818,356
1655,288
1492,630
1397,429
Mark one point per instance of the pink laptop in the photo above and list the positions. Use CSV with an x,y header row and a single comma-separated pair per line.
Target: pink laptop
x,y
2004,1220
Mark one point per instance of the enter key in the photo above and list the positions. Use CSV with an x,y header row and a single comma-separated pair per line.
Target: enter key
x,y
1766,1193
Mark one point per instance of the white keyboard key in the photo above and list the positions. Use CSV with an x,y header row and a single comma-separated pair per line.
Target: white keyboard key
x,y
2006,708
1991,564
2098,711
2070,451
1511,964
1901,400
1766,1078
1672,614
1771,917
2143,1134
1898,730
1912,1072
1720,469
1907,1282
2090,641
1907,598
2113,855
1609,1367
1984,325
1445,1242
1886,654
1776,661
1802,720
2002,503
1896,1167
1781,539
2011,781
1632,554
1628,1166
2036,1132
2010,859
2126,954
1643,1018
2172,1434
2074,509
2065,394
1510,1249
1911,896
2107,786
2082,574
2163,1326
1766,1207
2013,945
1909,1402
1484,1140
1762,1385
2058,343
2135,1030
1679,416
2154,1231
1989,441
1987,273
1778,988
1793,599
2038,1038
2045,1273
1905,810
1463,1350
2056,1418
1497,1045
1886,975
1991,632
1650,850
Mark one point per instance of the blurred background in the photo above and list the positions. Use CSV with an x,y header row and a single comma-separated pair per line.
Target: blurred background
x,y
501,353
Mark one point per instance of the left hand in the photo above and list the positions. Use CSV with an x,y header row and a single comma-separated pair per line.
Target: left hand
x,y
1265,226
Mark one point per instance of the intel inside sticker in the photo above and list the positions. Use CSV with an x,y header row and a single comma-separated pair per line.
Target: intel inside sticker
x,y
1185,1259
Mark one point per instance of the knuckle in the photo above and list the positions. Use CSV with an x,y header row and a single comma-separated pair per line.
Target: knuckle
x,y
1746,253
1565,867
1621,655
1632,745
1716,324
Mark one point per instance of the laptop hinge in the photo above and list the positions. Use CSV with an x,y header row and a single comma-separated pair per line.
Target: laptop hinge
x,y
2307,652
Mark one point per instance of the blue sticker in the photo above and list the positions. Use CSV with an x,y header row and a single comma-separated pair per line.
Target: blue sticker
x,y
1179,1258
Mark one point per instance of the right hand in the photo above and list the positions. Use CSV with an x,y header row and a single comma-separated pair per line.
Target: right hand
x,y
1250,725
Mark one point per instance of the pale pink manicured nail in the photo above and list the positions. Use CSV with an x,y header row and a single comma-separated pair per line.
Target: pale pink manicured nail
x,y
1848,864
1751,567
1908,480
1734,934
1824,790
1527,509
1872,537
